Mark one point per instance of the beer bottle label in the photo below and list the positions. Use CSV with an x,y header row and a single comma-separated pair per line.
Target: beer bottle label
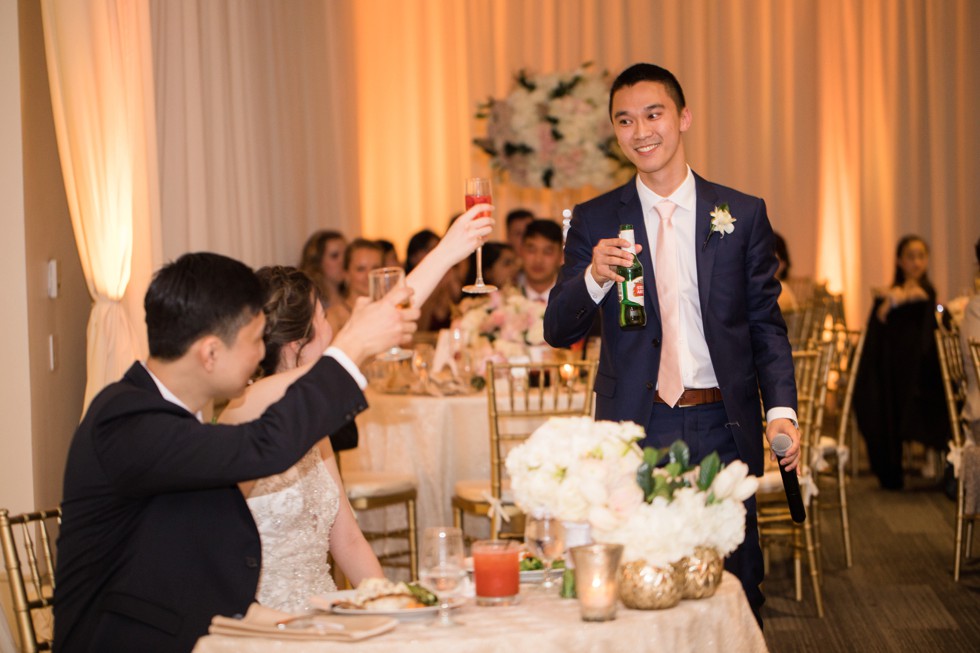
x,y
631,292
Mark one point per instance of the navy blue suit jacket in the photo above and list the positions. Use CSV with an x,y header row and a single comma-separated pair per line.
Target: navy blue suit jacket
x,y
743,326
156,537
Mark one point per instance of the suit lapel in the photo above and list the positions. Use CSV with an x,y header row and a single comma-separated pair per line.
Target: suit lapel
x,y
707,199
630,212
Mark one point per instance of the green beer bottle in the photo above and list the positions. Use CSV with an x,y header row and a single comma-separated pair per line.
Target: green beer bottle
x,y
632,315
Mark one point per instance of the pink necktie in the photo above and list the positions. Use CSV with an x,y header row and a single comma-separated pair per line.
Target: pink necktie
x,y
669,384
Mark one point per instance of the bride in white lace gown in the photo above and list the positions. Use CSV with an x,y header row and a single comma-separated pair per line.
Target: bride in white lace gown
x,y
303,513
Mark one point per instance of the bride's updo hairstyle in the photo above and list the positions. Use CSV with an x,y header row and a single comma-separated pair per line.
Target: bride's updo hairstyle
x,y
290,301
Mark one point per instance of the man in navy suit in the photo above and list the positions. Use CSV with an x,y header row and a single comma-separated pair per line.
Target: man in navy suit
x,y
156,537
714,336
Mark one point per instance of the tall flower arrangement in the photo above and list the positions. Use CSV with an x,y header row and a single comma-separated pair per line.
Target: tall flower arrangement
x,y
553,131
508,320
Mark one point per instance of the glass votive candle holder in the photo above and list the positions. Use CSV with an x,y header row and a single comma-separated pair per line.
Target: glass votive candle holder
x,y
496,571
596,567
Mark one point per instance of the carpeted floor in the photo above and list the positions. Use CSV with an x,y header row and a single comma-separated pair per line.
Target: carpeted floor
x,y
898,596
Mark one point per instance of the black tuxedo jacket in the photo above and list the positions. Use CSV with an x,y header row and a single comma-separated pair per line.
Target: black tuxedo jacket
x,y
737,292
156,537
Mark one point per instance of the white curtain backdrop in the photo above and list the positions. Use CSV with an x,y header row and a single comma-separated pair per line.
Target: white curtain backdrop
x,y
852,119
256,125
98,54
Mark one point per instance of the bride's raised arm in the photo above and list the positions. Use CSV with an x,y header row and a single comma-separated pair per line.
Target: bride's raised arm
x,y
466,234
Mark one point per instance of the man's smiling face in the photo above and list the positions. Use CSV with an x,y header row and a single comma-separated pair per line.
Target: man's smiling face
x,y
648,126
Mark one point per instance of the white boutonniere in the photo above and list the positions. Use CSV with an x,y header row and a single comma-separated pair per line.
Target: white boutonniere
x,y
721,221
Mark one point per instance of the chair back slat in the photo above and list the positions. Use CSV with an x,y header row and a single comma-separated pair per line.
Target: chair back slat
x,y
850,345
39,570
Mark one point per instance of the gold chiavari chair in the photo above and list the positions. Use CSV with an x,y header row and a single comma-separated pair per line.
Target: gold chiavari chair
x,y
521,397
831,452
775,524
32,588
368,491
954,386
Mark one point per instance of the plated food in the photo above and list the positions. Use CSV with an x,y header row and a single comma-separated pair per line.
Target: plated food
x,y
383,595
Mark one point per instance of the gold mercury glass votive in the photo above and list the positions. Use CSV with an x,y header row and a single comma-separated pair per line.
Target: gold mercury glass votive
x,y
596,567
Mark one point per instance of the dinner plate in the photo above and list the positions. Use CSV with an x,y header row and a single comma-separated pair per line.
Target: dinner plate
x,y
326,602
403,614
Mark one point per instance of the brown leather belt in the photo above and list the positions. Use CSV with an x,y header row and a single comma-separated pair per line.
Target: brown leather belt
x,y
693,397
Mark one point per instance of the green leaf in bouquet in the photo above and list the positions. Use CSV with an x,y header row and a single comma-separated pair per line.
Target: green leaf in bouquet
x,y
710,467
661,488
644,478
680,453
674,468
653,456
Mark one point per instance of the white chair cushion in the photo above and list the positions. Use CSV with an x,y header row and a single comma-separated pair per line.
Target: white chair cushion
x,y
478,489
771,481
361,485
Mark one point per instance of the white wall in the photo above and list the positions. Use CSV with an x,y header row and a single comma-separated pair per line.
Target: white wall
x,y
17,477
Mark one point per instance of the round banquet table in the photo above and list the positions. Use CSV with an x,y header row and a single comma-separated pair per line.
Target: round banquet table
x,y
439,439
546,624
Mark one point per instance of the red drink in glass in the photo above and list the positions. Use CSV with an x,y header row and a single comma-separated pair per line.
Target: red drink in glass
x,y
473,200
496,569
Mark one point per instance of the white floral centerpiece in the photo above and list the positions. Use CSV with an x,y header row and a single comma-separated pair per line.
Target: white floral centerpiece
x,y
577,469
553,131
506,321
679,508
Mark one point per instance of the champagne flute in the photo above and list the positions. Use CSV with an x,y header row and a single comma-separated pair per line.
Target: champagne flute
x,y
546,538
441,567
381,281
478,192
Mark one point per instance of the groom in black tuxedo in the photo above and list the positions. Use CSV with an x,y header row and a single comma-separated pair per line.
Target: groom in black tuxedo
x,y
714,336
156,537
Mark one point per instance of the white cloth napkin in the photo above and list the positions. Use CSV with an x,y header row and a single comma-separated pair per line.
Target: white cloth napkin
x,y
443,356
260,621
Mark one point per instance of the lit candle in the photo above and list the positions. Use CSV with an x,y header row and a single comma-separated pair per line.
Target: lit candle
x,y
567,372
595,580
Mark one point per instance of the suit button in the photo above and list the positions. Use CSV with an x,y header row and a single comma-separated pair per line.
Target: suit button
x,y
656,342
251,562
649,385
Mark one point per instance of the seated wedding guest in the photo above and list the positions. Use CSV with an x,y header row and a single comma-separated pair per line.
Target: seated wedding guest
x,y
323,261
787,299
156,537
360,257
517,222
541,259
898,394
303,513
420,244
389,257
500,264
970,330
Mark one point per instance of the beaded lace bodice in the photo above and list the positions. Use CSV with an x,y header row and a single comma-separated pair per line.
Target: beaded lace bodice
x,y
294,512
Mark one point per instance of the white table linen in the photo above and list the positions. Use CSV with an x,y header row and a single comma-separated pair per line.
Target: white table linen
x,y
546,624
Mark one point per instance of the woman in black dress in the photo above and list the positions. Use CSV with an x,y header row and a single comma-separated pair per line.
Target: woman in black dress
x,y
898,396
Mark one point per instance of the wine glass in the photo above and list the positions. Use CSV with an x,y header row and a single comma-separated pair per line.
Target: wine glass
x,y
381,281
478,192
441,566
546,538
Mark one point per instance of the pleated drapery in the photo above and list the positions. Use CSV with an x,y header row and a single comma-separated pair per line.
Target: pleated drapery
x,y
98,54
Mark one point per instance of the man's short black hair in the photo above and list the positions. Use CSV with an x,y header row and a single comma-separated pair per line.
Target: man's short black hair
x,y
197,295
519,214
544,228
648,72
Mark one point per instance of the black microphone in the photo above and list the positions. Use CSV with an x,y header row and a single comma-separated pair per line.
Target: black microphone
x,y
791,483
